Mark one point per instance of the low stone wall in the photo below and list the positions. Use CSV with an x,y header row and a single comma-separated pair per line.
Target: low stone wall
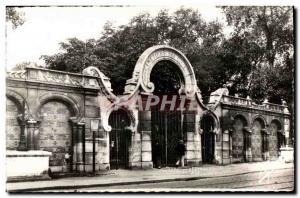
x,y
27,165
287,154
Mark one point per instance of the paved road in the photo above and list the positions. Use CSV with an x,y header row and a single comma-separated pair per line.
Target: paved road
x,y
277,180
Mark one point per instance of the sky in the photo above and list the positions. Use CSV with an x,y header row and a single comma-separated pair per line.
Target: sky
x,y
45,27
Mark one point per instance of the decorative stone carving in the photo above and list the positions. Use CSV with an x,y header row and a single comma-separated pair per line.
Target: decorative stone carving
x,y
20,74
131,114
146,62
105,85
216,129
216,97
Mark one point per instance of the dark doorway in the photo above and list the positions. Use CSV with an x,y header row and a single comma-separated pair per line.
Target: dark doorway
x,y
119,140
207,139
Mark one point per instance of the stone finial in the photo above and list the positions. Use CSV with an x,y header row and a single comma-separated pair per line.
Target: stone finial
x,y
266,101
285,110
284,103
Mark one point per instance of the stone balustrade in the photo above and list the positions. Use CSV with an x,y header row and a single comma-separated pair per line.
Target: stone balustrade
x,y
41,75
246,102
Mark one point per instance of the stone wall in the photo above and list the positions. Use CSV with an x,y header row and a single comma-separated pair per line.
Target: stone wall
x,y
55,102
61,106
257,141
238,141
229,108
12,126
237,146
273,146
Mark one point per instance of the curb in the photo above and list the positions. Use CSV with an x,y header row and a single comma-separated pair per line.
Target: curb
x,y
68,187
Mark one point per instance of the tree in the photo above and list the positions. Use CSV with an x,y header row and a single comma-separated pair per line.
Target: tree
x,y
115,53
270,29
241,62
23,65
15,17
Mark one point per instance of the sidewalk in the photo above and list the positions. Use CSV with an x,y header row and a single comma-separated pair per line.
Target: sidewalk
x,y
122,177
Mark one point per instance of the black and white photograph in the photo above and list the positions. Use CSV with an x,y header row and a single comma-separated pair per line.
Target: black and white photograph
x,y
149,98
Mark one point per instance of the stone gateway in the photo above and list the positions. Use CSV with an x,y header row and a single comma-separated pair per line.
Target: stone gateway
x,y
51,111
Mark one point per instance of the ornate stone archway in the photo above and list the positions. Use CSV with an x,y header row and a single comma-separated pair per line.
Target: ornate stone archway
x,y
214,117
131,114
141,76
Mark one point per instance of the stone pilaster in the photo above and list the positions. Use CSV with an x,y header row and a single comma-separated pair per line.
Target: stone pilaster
x,y
226,158
193,140
102,148
80,147
73,146
287,131
265,149
248,146
218,148
145,131
32,134
23,133
135,156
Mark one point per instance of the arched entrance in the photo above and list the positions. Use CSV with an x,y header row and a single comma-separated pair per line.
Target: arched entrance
x,y
166,118
208,139
119,139
167,126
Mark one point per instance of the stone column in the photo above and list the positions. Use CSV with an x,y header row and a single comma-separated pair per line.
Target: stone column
x,y
73,146
265,149
193,153
102,154
23,133
287,131
145,132
226,157
135,157
218,148
248,142
32,134
80,150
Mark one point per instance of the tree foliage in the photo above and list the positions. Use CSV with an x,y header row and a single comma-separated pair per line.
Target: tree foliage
x,y
248,61
23,65
270,30
15,17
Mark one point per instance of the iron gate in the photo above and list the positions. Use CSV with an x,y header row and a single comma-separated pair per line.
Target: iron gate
x,y
167,129
119,140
